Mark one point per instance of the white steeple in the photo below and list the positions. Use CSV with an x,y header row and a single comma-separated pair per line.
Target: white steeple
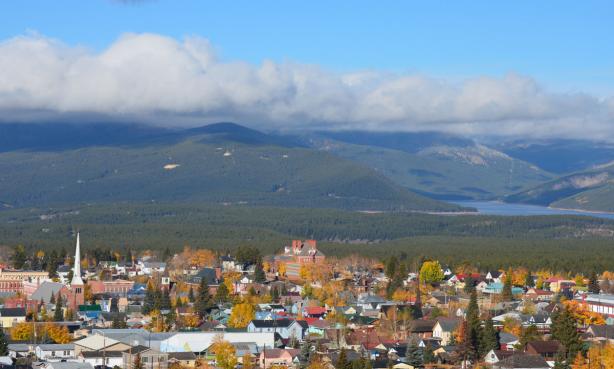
x,y
76,277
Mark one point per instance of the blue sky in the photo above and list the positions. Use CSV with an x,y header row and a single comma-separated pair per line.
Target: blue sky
x,y
516,68
567,45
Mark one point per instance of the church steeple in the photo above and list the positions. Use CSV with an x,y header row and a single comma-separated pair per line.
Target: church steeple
x,y
76,277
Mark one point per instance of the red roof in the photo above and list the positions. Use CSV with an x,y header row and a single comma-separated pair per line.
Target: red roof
x,y
315,310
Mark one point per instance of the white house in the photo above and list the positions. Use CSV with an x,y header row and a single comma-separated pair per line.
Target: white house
x,y
199,342
286,328
97,358
444,329
50,352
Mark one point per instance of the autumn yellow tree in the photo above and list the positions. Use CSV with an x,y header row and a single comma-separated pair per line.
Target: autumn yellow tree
x,y
246,361
241,315
582,313
225,353
22,331
190,321
431,272
58,334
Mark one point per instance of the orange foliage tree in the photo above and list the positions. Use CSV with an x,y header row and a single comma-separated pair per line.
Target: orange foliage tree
x,y
582,314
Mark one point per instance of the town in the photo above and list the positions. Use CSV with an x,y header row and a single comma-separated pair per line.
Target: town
x,y
295,309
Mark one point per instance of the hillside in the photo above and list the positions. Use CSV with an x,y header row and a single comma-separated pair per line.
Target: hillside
x,y
560,156
587,190
556,242
436,165
222,163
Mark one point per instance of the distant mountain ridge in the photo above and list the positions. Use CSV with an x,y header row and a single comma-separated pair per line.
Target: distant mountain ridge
x,y
591,189
434,164
49,164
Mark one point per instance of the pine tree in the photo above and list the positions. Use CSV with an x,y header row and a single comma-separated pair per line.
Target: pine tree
x,y
469,284
165,302
58,315
19,257
413,354
191,295
489,338
118,323
149,300
506,293
429,355
529,281
204,302
564,329
259,275
593,284
342,361
4,345
473,332
178,302
221,295
305,353
274,294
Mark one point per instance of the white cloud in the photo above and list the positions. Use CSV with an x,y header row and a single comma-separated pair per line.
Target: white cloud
x,y
152,78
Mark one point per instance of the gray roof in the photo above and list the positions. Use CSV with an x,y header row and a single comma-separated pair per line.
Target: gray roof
x,y
448,324
601,331
69,365
524,361
45,290
505,337
19,347
56,346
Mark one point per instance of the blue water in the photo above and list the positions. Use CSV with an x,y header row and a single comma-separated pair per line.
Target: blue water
x,y
501,208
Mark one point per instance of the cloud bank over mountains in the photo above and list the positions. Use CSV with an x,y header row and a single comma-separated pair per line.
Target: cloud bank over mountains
x,y
156,79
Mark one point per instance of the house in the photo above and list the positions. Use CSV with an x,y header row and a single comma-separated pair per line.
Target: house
x,y
99,343
536,294
600,333
286,328
298,254
65,365
184,359
318,326
497,287
117,287
199,342
55,351
12,316
97,358
522,361
508,341
18,350
599,303
314,311
444,329
150,358
494,276
422,328
546,349
213,276
45,290
279,358
151,267
494,356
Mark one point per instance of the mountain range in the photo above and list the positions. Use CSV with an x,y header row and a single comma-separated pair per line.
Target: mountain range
x,y
48,164
225,163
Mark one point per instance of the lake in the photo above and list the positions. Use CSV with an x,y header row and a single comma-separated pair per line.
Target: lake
x,y
501,208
